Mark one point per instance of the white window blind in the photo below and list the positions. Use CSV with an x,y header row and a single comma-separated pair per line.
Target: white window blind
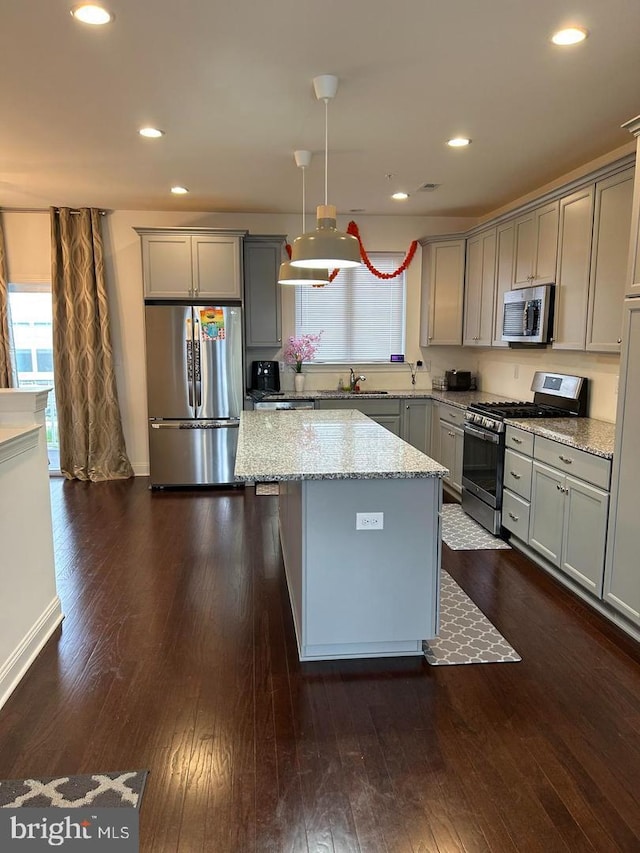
x,y
363,317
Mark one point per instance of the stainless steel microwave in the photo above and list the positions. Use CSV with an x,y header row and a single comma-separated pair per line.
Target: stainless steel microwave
x,y
527,315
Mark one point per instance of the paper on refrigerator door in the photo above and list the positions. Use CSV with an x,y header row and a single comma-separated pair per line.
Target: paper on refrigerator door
x,y
212,324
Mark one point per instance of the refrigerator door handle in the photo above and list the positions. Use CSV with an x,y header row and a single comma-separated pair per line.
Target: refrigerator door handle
x,y
197,372
232,423
189,346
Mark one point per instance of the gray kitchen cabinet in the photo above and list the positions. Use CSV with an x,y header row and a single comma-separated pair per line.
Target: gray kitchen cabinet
x,y
516,494
416,424
479,291
386,412
536,246
568,524
505,237
574,258
622,575
262,305
442,293
191,264
450,444
609,261
633,270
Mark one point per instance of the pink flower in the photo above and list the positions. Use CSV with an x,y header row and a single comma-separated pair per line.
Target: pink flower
x,y
301,349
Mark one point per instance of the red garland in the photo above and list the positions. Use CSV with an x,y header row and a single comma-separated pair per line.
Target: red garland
x,y
352,229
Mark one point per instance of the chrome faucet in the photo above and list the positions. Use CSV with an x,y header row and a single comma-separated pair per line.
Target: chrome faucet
x,y
353,379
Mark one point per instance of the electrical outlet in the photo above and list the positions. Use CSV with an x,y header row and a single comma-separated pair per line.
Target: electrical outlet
x,y
516,371
369,520
281,366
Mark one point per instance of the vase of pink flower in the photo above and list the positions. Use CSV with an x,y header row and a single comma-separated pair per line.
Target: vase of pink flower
x,y
299,350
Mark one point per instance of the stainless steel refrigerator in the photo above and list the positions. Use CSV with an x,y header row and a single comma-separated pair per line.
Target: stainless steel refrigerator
x,y
194,392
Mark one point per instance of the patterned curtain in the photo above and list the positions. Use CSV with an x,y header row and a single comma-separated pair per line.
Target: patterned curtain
x,y
6,380
91,440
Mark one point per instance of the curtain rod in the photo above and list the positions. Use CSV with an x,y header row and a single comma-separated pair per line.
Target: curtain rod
x,y
42,210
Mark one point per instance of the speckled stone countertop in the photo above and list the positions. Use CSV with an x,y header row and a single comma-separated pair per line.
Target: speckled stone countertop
x,y
462,399
587,434
305,444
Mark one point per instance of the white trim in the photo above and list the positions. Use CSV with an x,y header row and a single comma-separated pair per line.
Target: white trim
x,y
15,667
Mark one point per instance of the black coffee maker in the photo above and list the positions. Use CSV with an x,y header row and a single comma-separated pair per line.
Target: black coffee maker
x,y
265,376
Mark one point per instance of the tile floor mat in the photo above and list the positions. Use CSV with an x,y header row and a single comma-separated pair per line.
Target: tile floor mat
x,y
466,635
267,489
462,533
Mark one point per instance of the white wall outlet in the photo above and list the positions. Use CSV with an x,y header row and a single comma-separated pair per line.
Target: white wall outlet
x,y
516,371
369,520
281,366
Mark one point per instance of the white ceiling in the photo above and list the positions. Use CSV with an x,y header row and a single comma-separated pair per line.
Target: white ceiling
x,y
231,84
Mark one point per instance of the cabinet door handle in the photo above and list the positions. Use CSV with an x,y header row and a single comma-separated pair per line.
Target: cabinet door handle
x,y
565,459
619,340
516,440
514,516
452,434
558,487
515,476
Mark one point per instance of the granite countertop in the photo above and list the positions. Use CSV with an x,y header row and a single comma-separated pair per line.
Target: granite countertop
x,y
586,434
324,445
462,399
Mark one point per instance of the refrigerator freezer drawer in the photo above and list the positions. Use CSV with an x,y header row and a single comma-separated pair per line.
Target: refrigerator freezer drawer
x,y
189,455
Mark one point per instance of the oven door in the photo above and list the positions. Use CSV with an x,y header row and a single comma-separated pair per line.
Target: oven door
x,y
483,464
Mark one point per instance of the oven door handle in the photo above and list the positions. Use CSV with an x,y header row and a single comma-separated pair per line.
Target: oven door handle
x,y
480,433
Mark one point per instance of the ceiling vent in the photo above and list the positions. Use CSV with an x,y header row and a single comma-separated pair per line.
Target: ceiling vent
x,y
427,188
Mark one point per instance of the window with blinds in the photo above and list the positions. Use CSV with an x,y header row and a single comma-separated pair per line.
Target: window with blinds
x,y
363,317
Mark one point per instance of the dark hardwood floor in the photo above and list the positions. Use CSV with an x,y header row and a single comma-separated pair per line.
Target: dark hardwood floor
x,y
177,654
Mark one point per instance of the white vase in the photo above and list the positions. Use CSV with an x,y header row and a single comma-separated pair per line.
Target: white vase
x,y
298,381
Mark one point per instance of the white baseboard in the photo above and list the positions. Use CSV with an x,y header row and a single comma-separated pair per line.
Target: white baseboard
x,y
15,667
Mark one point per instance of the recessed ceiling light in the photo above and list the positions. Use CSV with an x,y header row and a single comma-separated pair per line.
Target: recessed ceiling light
x,y
458,142
91,13
400,196
570,35
179,190
151,132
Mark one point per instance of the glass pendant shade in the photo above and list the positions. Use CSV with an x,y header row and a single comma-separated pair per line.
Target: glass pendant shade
x,y
326,247
296,275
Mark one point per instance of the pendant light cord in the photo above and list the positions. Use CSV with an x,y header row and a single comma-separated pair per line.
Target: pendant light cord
x,y
304,197
326,149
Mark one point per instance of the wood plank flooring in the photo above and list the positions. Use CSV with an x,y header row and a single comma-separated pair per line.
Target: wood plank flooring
x,y
177,654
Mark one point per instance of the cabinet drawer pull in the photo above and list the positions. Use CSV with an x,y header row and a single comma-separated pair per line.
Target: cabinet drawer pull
x,y
619,340
516,440
565,459
513,516
515,476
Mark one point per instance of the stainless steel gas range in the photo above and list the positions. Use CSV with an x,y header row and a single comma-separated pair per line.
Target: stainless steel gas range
x,y
556,395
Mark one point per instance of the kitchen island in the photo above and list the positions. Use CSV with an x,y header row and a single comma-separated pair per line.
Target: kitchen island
x,y
359,519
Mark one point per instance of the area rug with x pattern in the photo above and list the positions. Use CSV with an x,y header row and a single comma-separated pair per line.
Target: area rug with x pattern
x,y
98,790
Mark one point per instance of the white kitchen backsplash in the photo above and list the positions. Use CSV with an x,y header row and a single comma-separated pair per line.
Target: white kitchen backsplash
x,y
510,372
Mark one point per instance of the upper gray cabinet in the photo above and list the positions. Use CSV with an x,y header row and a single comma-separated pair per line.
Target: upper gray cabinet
x,y
536,246
505,238
480,287
610,252
442,292
592,260
262,258
179,263
572,281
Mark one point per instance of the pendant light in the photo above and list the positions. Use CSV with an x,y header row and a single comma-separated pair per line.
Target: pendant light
x,y
295,275
326,246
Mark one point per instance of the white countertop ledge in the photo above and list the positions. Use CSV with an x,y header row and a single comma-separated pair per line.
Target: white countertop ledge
x,y
325,445
16,439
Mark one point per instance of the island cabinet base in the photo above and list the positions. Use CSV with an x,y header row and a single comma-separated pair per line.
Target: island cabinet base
x,y
362,593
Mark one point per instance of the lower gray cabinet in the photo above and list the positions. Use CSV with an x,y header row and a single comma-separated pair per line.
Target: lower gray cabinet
x,y
568,524
451,444
385,412
416,424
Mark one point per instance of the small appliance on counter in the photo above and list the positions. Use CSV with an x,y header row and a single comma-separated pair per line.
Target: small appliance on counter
x,y
265,376
457,380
